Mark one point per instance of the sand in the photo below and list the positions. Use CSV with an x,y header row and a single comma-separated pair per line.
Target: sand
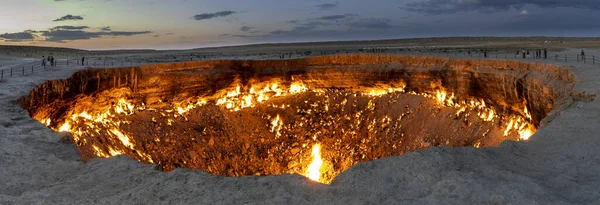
x,y
558,165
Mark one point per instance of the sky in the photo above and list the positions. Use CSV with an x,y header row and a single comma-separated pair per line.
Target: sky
x,y
183,24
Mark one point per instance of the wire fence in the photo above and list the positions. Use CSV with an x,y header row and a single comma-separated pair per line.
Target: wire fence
x,y
584,59
35,67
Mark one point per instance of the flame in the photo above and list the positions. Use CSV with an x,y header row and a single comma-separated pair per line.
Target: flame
x,y
527,115
65,127
123,138
314,169
276,126
81,123
46,121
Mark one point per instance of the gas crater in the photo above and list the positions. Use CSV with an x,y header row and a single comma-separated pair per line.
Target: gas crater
x,y
316,116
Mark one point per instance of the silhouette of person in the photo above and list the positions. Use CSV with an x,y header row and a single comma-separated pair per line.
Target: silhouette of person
x,y
545,53
82,60
582,55
44,61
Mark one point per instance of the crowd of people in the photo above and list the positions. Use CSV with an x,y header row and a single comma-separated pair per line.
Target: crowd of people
x,y
48,61
538,54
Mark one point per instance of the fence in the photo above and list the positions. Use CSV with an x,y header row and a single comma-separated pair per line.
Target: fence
x,y
34,67
585,59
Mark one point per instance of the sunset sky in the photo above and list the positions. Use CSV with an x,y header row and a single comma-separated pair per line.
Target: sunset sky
x,y
180,24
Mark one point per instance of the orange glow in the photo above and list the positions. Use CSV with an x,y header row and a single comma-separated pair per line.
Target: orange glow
x,y
108,121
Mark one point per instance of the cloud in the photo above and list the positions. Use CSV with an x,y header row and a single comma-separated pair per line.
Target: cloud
x,y
327,6
456,6
68,17
246,28
524,12
371,23
69,27
106,28
70,35
246,36
335,17
205,16
18,37
332,24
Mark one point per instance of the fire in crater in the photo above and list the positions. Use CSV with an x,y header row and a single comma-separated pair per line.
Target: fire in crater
x,y
316,117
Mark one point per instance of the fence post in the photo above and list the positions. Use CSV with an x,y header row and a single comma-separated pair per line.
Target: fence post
x,y
11,72
23,70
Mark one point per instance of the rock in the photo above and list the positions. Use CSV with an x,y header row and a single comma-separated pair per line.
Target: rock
x,y
295,150
211,142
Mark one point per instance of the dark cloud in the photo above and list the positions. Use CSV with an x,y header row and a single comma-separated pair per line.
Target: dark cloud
x,y
124,33
18,37
212,15
335,17
68,17
246,28
457,6
327,6
246,36
325,25
106,28
70,35
69,27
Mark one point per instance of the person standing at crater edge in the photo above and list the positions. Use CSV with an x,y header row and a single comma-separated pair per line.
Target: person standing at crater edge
x,y
82,60
582,55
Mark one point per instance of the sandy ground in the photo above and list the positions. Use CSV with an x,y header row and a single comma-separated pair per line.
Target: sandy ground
x,y
559,165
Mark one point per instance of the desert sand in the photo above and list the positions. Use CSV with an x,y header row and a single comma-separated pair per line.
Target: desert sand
x,y
558,165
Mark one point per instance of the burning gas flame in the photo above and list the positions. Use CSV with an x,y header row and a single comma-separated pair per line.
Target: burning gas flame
x,y
106,121
314,169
